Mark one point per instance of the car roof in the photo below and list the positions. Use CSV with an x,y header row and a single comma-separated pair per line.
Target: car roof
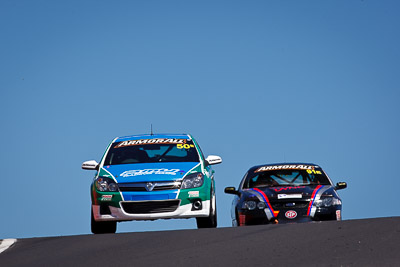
x,y
152,136
282,164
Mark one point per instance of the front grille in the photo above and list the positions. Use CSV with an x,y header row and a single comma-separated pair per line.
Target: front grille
x,y
144,207
131,188
284,205
165,187
158,186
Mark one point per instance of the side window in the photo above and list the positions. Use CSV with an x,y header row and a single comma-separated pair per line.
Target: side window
x,y
245,182
200,151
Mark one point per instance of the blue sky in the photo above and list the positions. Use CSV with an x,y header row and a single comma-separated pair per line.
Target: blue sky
x,y
253,81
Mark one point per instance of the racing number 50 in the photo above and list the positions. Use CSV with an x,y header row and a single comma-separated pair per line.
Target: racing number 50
x,y
185,146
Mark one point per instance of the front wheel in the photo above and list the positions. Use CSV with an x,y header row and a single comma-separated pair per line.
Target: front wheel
x,y
102,227
211,220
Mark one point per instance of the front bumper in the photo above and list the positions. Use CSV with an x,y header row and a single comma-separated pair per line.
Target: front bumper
x,y
254,217
151,205
120,214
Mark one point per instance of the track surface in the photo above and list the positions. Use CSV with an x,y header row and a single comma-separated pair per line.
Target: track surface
x,y
367,242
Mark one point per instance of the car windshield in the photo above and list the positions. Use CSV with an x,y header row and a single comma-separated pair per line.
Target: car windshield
x,y
123,153
285,177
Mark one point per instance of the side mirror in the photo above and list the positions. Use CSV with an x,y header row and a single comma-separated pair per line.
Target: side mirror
x,y
212,160
90,165
231,190
340,185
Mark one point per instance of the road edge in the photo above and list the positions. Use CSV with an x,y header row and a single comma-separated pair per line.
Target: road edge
x,y
6,243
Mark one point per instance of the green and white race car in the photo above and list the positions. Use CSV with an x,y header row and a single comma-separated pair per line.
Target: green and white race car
x,y
149,177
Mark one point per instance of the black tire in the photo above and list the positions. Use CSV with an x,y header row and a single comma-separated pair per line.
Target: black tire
x,y
210,221
102,227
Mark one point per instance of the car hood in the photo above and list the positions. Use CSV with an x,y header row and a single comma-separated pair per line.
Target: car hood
x,y
289,192
148,172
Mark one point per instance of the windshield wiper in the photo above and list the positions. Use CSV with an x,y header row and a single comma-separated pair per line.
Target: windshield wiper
x,y
163,154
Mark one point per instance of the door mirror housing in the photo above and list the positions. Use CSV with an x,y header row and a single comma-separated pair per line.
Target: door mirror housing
x,y
212,160
231,190
90,165
341,185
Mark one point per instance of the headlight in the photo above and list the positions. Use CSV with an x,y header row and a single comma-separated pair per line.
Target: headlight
x,y
252,205
105,184
193,180
327,202
261,205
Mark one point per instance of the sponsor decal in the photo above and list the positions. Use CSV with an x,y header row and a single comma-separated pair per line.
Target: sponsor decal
x,y
89,165
151,141
285,196
279,189
106,197
286,167
194,193
338,215
291,214
149,172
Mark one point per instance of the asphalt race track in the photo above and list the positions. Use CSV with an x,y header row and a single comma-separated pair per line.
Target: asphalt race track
x,y
366,242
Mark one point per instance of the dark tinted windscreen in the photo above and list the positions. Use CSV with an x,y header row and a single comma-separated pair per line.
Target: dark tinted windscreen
x,y
147,153
285,177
